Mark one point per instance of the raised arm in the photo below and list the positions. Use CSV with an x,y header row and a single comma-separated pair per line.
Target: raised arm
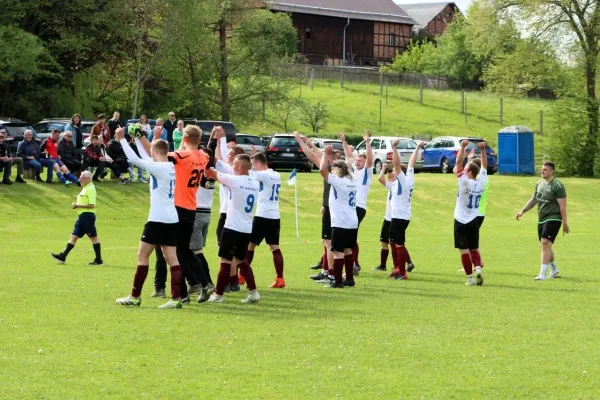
x,y
415,154
367,139
382,174
142,150
131,156
324,165
460,157
484,161
347,150
306,149
396,157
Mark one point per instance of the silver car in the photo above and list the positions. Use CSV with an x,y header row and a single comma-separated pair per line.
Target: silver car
x,y
382,151
245,141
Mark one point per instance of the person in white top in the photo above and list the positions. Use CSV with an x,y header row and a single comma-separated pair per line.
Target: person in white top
x,y
401,191
362,167
238,226
386,175
344,221
466,228
266,225
161,228
224,157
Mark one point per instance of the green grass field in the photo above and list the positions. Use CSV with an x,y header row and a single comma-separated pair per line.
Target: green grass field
x,y
63,336
356,107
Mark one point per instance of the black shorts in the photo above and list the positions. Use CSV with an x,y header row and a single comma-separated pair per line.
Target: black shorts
x,y
185,227
479,220
342,239
326,224
466,236
85,225
160,234
398,231
267,229
220,226
384,236
360,213
549,230
233,244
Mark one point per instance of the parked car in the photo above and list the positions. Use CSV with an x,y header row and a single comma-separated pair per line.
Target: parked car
x,y
285,152
207,127
322,143
440,154
15,128
245,141
382,151
266,140
45,127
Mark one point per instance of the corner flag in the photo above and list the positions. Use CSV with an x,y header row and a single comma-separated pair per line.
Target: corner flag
x,y
292,178
292,182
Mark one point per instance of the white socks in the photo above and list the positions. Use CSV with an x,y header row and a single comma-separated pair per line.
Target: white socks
x,y
478,270
554,267
543,271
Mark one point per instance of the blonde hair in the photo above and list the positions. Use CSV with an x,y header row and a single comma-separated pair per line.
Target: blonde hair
x,y
342,168
192,134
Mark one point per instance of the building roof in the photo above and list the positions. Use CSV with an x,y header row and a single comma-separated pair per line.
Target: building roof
x,y
423,13
372,10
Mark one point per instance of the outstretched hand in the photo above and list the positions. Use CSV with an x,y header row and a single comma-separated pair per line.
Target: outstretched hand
x,y
396,143
464,144
482,146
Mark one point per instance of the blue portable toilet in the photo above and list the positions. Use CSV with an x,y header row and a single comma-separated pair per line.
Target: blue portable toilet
x,y
516,151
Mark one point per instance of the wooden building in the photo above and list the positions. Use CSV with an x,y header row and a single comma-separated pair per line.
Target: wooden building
x,y
431,18
373,31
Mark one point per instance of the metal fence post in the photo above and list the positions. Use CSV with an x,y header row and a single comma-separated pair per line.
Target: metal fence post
x,y
466,112
312,79
386,92
264,107
462,101
541,122
381,83
342,77
501,110
380,105
421,90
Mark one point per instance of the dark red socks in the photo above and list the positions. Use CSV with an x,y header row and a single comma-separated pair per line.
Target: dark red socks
x,y
349,264
138,280
249,256
176,278
278,262
248,274
223,278
466,262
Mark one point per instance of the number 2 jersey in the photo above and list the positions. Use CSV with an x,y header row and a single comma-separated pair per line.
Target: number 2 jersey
x,y
189,169
469,196
342,202
268,194
243,196
401,194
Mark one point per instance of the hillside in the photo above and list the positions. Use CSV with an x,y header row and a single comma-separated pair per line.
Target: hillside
x,y
356,107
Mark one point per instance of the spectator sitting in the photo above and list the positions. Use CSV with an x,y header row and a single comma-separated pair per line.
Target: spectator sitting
x,y
159,122
114,123
115,151
101,129
178,135
50,147
96,157
67,152
6,160
29,150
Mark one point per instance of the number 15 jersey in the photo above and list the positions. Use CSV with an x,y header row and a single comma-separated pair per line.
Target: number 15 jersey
x,y
268,195
469,196
243,192
189,169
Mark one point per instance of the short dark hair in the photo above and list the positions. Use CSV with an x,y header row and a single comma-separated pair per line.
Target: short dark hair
x,y
474,168
161,147
477,161
101,116
55,131
550,165
260,157
245,159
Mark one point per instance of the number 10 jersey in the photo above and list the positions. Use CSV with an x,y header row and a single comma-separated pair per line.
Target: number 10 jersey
x,y
243,192
469,196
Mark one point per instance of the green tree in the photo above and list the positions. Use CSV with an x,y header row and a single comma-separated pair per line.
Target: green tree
x,y
314,115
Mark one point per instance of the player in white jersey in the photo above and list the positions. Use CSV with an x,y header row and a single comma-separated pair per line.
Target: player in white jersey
x,y
224,157
204,202
238,226
266,224
401,191
161,228
344,221
466,229
362,167
386,175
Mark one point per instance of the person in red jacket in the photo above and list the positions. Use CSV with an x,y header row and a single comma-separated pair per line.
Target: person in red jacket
x,y
96,157
50,148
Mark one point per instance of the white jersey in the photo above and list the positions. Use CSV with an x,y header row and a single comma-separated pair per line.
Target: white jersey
x,y
364,178
388,201
205,194
242,201
224,193
401,191
268,196
162,184
469,196
342,202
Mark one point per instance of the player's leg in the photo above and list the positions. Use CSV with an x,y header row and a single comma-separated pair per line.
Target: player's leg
x,y
546,257
278,263
360,213
141,272
177,282
226,254
97,248
338,249
256,237
62,256
461,242
245,269
384,238
160,274
198,241
554,272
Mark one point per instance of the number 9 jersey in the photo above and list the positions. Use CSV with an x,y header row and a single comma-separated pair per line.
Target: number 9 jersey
x,y
189,169
469,196
243,196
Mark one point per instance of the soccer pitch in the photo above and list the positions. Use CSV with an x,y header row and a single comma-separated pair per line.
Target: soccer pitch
x,y
63,336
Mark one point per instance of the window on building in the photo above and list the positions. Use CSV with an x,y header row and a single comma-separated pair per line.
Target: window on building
x,y
307,32
392,40
448,14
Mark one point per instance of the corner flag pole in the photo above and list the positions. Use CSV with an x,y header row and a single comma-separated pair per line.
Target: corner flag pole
x,y
296,203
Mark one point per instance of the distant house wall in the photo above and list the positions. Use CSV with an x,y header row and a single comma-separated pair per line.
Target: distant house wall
x,y
437,25
390,39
